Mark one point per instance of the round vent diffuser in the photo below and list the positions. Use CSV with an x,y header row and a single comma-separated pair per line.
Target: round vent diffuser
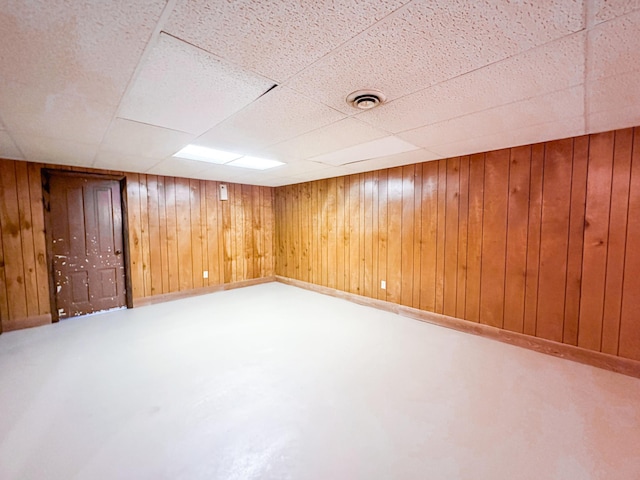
x,y
366,99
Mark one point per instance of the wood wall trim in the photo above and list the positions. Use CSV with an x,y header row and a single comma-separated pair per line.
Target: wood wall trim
x,y
167,297
605,361
26,322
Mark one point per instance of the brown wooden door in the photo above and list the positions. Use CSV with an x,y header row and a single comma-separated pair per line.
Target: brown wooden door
x,y
86,244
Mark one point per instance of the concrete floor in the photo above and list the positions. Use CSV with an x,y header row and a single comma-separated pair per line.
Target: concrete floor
x,y
274,382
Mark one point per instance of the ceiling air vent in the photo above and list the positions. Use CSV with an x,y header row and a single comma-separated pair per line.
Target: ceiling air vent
x,y
366,99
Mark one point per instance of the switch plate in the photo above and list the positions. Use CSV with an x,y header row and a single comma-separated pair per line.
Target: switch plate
x,y
205,274
224,195
383,284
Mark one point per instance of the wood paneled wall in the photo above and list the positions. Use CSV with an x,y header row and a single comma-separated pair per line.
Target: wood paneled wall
x,y
177,229
540,239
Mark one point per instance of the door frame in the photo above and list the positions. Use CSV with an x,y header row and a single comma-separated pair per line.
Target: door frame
x,y
46,174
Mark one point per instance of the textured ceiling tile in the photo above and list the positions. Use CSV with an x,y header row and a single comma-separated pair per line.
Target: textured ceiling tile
x,y
554,66
40,112
614,47
407,158
127,163
275,38
428,42
179,167
275,117
614,102
52,150
8,148
139,139
342,134
89,49
569,127
184,88
604,10
501,120
224,173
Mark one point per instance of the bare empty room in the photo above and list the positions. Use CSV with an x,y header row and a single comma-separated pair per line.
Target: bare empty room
x,y
320,239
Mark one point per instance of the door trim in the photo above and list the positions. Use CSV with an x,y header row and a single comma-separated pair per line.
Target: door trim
x,y
47,173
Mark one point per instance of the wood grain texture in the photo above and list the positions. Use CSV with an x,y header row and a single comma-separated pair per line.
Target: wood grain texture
x,y
533,239
176,231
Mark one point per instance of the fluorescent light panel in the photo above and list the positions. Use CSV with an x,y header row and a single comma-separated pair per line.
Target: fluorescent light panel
x,y
211,155
382,147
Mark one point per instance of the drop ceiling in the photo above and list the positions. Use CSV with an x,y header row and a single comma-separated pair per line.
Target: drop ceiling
x,y
124,85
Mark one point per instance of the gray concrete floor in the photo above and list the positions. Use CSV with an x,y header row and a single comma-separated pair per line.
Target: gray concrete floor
x,y
275,382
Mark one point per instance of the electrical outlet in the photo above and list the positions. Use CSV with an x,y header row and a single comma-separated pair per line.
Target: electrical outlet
x,y
205,274
383,284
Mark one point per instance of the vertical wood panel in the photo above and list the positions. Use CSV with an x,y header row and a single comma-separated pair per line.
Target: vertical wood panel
x,y
368,234
354,233
164,245
463,218
417,234
144,236
576,239
39,242
629,337
617,240
474,246
394,232
494,237
11,242
135,240
172,239
518,222
451,221
407,230
155,259
183,224
596,240
554,236
340,234
429,235
26,237
533,239
195,222
441,235
383,237
332,214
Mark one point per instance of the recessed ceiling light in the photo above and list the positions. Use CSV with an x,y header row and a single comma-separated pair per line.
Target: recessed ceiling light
x,y
256,163
204,154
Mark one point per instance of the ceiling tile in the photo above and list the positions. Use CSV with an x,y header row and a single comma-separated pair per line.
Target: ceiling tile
x,y
426,43
614,102
501,120
564,128
53,150
554,66
139,139
89,49
8,148
604,10
127,163
407,158
614,47
276,38
36,110
184,88
342,134
179,167
280,115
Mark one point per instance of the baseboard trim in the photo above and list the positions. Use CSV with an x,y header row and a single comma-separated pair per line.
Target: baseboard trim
x,y
11,325
605,361
168,297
